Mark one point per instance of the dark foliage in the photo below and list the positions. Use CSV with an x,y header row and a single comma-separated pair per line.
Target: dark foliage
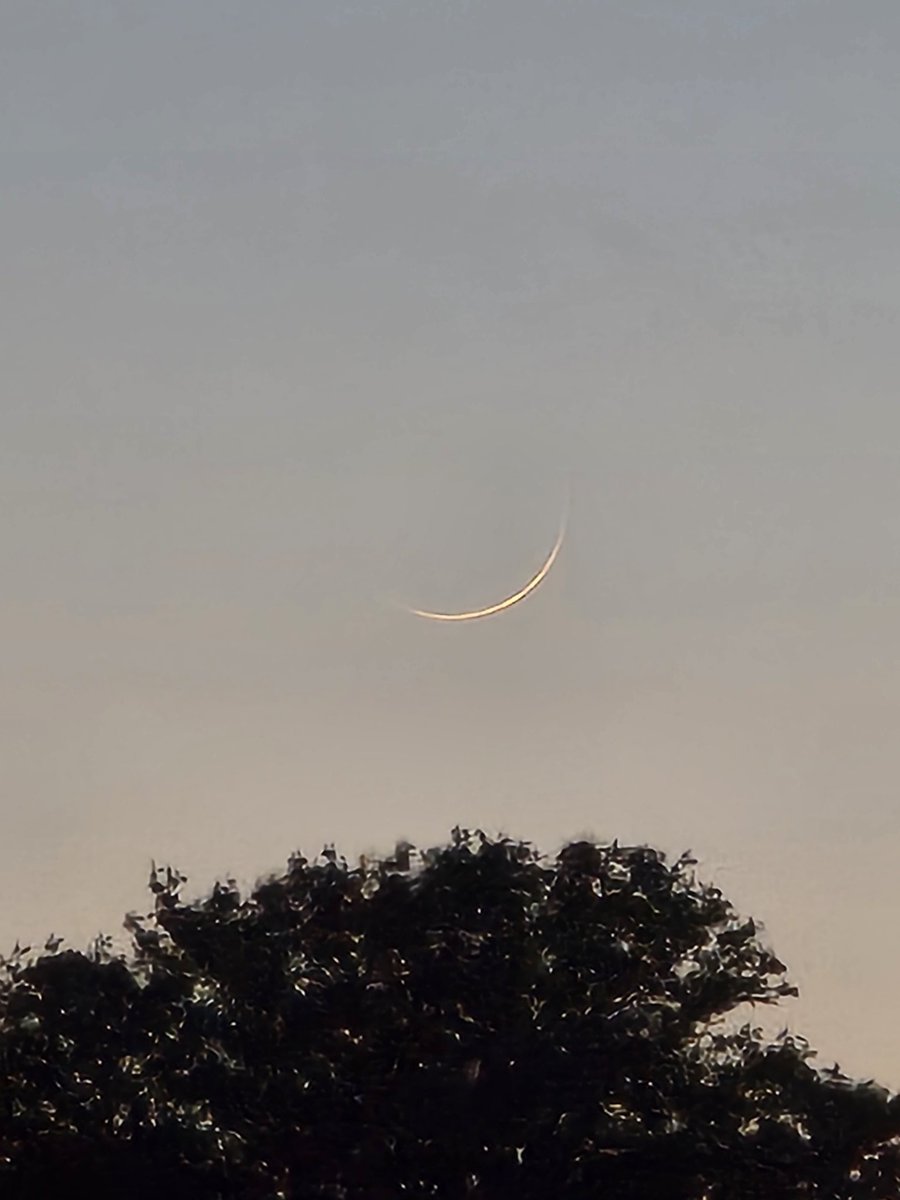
x,y
476,1022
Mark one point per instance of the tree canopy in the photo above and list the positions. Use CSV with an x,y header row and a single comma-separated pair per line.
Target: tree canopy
x,y
474,1021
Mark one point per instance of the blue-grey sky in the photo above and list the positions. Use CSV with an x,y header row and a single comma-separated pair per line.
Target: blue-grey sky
x,y
310,307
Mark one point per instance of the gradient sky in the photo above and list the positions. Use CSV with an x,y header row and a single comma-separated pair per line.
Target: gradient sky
x,y
311,307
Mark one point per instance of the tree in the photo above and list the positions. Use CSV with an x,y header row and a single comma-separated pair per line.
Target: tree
x,y
477,1021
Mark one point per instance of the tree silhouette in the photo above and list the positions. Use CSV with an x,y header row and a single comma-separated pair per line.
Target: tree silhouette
x,y
476,1021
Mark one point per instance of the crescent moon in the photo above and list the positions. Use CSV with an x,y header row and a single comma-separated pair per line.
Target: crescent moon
x,y
534,582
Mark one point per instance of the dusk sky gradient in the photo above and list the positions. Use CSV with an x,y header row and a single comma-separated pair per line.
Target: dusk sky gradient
x,y
313,307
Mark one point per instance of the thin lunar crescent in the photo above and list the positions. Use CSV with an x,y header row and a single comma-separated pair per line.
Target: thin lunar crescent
x,y
500,606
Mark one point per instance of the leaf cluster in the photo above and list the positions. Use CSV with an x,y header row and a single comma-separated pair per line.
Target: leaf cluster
x,y
475,1020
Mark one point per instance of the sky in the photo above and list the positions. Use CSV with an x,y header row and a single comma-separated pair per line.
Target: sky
x,y
312,311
